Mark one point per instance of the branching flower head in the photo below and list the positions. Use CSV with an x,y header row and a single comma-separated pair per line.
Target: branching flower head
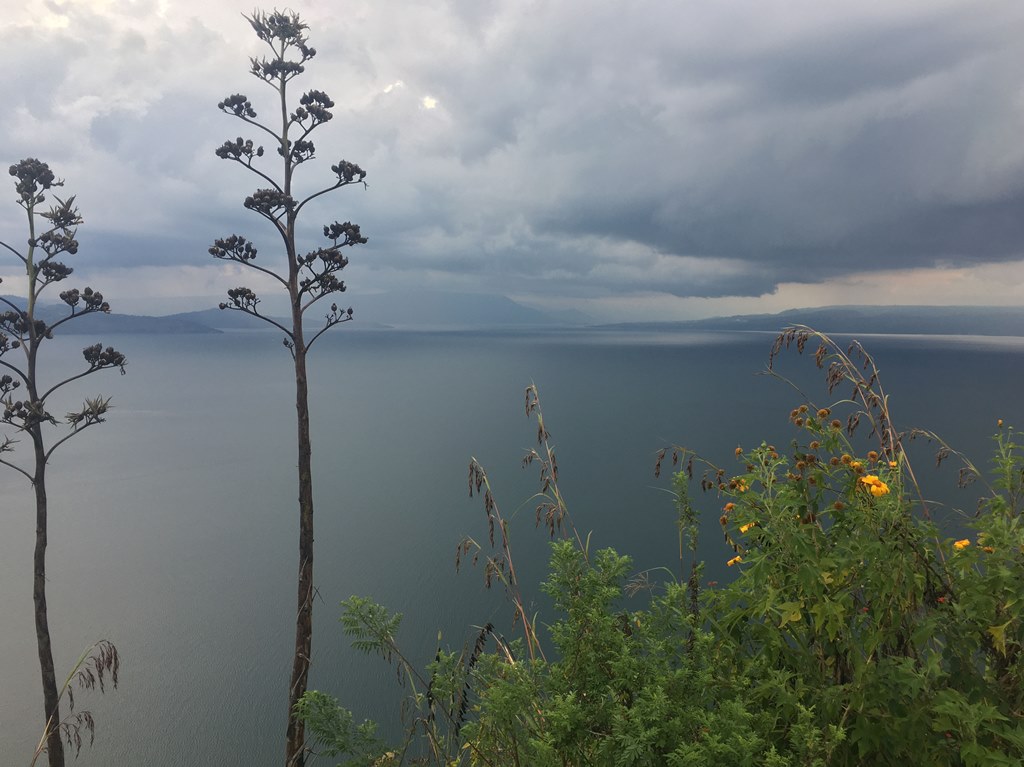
x,y
98,357
34,178
238,105
348,234
93,410
315,104
301,151
348,172
281,30
241,298
283,26
237,149
63,215
274,69
269,202
233,248
54,271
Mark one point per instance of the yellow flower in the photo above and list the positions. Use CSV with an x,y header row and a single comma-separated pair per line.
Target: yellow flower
x,y
741,486
877,487
744,528
961,544
988,549
734,561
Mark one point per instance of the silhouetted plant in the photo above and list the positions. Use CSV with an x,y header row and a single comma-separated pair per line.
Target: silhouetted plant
x,y
89,672
307,278
51,233
551,511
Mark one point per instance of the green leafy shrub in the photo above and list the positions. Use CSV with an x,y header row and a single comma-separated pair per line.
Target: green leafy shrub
x,y
852,605
854,632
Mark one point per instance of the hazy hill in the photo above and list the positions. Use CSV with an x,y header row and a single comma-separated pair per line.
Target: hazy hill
x,y
223,319
430,309
419,309
927,320
91,324
426,309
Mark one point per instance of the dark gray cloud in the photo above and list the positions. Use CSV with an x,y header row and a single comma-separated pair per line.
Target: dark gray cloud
x,y
687,148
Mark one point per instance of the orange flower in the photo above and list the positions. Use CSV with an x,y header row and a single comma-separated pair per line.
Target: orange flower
x,y
961,544
744,528
734,561
876,486
729,506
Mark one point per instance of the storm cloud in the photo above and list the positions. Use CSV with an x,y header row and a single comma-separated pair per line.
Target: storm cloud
x,y
542,149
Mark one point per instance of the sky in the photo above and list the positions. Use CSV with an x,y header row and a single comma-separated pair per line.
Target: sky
x,y
656,159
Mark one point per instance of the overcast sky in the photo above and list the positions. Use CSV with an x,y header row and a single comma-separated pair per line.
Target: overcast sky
x,y
643,159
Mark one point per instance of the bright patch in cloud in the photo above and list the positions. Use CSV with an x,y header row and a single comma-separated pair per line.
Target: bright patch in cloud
x,y
54,21
428,102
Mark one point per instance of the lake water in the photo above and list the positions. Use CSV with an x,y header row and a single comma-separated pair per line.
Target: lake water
x,y
173,526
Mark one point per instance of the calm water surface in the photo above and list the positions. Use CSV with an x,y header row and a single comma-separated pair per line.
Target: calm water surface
x,y
173,525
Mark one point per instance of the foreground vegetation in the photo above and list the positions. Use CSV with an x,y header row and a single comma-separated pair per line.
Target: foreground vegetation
x,y
306,278
855,632
27,413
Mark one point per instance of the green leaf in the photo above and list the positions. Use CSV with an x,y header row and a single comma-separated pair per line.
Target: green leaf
x,y
789,612
999,636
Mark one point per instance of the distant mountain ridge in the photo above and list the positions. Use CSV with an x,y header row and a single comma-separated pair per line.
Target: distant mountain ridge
x,y
427,309
421,309
911,320
98,322
438,310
